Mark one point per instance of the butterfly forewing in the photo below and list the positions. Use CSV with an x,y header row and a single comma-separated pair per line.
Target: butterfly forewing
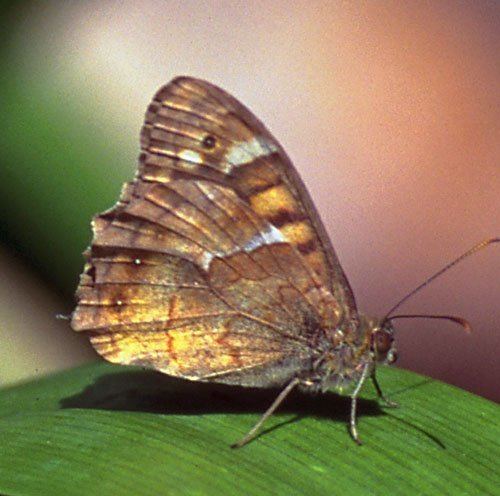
x,y
243,155
213,265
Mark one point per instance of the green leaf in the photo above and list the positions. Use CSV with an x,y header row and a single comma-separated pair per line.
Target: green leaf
x,y
103,429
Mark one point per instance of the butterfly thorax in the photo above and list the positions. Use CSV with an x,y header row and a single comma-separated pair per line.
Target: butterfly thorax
x,y
340,367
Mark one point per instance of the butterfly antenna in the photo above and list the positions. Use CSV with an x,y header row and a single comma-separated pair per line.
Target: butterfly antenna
x,y
459,320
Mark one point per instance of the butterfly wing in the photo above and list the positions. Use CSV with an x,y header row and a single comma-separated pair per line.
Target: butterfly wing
x,y
214,264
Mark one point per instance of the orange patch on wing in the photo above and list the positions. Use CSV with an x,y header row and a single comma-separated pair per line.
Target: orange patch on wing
x,y
270,201
299,232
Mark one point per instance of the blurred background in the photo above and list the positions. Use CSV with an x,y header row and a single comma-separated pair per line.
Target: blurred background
x,y
390,111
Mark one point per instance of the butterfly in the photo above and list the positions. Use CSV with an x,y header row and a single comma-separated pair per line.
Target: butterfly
x,y
215,266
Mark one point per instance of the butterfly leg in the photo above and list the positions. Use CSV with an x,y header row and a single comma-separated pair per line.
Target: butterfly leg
x,y
353,428
388,402
276,403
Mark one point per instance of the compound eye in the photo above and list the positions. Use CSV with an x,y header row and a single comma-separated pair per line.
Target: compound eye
x,y
383,342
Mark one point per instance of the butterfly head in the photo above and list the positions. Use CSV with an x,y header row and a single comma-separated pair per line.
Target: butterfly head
x,y
382,342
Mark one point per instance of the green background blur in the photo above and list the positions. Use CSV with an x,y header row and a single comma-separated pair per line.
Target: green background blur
x,y
389,110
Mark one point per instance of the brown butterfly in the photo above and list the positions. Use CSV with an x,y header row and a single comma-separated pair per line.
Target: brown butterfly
x,y
214,264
